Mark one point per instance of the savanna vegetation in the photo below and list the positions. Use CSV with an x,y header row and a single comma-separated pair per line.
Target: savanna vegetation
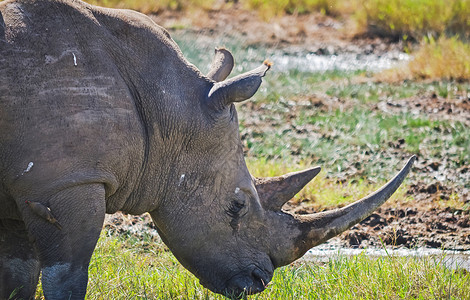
x,y
126,267
359,126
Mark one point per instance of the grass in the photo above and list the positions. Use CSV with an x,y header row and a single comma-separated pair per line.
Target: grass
x,y
130,268
446,58
442,59
354,138
416,18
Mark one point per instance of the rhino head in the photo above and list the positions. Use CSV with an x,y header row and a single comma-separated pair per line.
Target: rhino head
x,y
227,227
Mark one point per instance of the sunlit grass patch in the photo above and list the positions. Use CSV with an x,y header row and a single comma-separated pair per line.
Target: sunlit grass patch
x,y
126,270
359,131
406,17
362,277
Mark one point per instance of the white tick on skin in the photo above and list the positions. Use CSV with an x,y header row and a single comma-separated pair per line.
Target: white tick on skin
x,y
237,189
28,168
181,179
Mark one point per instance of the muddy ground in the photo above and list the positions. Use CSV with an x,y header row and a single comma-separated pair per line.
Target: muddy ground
x,y
414,225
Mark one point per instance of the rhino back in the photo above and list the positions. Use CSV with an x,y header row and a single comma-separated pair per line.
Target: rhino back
x,y
70,103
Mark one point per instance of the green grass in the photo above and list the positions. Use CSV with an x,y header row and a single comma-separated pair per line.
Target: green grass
x,y
123,268
373,92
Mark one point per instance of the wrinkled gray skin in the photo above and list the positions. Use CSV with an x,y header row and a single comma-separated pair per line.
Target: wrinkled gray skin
x,y
100,112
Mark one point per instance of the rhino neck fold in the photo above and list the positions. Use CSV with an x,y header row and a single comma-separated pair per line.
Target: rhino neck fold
x,y
166,100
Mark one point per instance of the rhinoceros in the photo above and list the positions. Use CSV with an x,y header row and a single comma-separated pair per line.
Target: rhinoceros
x,y
99,113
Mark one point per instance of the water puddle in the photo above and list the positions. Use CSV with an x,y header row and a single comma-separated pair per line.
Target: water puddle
x,y
450,258
199,49
342,62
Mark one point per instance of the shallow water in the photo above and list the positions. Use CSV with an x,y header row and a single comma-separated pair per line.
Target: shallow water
x,y
199,51
342,62
450,258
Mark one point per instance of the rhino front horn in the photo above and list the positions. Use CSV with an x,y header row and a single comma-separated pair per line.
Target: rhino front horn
x,y
298,233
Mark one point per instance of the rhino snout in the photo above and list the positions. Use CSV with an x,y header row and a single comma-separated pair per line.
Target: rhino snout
x,y
251,283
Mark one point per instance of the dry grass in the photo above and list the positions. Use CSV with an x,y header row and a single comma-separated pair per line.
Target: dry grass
x,y
446,58
269,8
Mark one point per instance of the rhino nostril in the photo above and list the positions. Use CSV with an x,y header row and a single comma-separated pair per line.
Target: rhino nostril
x,y
260,276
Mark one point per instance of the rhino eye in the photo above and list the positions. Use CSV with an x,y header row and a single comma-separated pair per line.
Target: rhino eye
x,y
234,209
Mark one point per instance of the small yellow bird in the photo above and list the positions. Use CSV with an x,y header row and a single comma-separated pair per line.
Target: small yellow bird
x,y
44,212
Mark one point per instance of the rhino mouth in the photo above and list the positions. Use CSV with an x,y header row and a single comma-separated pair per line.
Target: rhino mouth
x,y
240,285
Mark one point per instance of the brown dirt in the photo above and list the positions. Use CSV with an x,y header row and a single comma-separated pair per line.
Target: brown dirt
x,y
408,227
412,228
315,33
456,108
424,223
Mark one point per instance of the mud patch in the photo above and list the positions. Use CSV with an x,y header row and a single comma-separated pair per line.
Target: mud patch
x,y
411,228
436,107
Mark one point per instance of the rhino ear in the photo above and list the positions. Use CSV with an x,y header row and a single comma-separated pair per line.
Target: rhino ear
x,y
238,88
222,65
274,192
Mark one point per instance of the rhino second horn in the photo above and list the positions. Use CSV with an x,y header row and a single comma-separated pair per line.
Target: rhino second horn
x,y
222,65
274,192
